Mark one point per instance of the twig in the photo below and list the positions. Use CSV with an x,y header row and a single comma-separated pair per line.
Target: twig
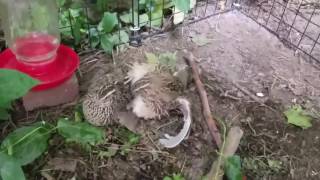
x,y
205,104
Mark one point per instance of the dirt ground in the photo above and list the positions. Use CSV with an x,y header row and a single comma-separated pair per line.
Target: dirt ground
x,y
236,64
238,59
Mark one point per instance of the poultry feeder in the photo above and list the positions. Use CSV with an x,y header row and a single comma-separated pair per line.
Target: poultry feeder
x,y
32,33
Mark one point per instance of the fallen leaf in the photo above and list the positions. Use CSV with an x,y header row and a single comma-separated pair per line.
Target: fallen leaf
x,y
200,40
296,116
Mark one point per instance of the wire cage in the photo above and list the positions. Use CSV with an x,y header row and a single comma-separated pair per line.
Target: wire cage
x,y
82,23
136,19
293,22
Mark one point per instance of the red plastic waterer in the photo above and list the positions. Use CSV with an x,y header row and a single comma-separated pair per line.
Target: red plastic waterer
x,y
32,33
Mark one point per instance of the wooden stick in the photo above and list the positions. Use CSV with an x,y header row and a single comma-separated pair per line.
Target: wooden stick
x,y
204,99
231,145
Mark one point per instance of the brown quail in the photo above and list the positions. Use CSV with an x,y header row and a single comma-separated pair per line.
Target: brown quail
x,y
104,99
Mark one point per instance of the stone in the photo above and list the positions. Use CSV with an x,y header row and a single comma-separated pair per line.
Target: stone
x,y
64,93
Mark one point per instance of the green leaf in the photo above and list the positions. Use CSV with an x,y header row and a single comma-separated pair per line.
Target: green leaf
x,y
298,117
27,143
233,168
127,18
167,178
108,22
152,58
14,85
10,169
182,5
80,132
156,18
60,3
107,43
77,31
120,37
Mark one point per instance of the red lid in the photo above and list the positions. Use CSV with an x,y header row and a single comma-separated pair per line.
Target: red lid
x,y
50,74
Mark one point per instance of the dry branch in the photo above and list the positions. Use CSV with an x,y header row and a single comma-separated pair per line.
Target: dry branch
x,y
205,104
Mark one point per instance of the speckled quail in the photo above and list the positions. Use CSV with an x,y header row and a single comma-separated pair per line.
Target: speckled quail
x,y
106,96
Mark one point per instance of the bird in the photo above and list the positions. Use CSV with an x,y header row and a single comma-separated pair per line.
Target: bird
x,y
154,92
105,97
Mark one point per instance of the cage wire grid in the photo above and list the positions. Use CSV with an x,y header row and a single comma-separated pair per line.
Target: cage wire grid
x,y
280,17
286,19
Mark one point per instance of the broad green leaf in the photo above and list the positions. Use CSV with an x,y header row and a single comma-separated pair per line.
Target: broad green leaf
x,y
74,13
296,116
77,31
60,3
127,18
94,37
80,132
182,5
156,18
108,22
10,169
4,115
107,43
152,58
27,143
120,37
177,177
233,168
14,85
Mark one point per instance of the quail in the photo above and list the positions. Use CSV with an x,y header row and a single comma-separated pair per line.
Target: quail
x,y
153,91
105,98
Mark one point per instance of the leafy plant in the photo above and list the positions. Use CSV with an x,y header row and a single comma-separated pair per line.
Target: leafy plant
x,y
14,85
10,169
127,138
298,117
80,132
166,59
233,168
21,147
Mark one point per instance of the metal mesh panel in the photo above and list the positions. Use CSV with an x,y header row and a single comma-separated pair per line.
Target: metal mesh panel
x,y
294,22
